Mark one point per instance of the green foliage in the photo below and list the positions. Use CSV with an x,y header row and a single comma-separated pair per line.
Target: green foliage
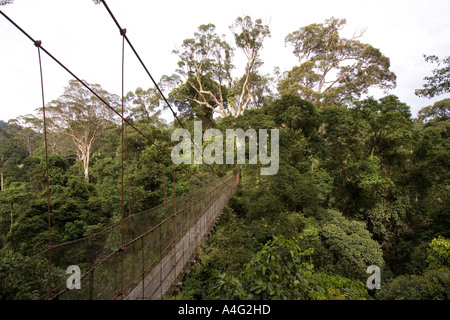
x,y
273,273
432,285
294,113
351,245
228,248
333,69
206,84
439,83
28,281
76,211
280,271
439,111
286,224
439,253
144,105
192,289
428,177
389,123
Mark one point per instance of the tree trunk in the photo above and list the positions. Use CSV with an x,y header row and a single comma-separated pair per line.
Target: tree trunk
x,y
84,157
374,143
12,221
29,149
1,181
86,166
86,174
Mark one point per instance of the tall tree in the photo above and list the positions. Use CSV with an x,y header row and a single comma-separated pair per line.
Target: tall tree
x,y
144,105
389,121
82,116
249,37
333,68
13,196
206,62
26,129
439,111
439,83
13,148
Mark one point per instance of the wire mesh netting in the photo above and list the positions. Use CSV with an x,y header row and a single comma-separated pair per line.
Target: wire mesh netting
x,y
141,257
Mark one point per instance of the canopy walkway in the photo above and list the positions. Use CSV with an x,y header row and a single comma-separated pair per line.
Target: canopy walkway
x,y
146,257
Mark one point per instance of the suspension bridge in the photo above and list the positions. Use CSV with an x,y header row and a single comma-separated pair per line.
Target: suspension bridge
x,y
143,256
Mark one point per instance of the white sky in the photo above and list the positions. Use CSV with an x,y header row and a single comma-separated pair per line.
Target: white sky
x,y
84,37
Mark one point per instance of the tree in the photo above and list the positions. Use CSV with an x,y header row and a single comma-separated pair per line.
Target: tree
x,y
346,247
439,253
290,111
389,120
206,63
429,175
26,129
27,284
82,116
249,37
13,149
439,83
79,211
432,284
12,201
439,111
280,270
366,149
184,97
333,68
144,105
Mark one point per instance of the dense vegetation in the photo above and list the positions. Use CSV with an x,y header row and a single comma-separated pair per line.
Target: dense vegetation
x,y
360,182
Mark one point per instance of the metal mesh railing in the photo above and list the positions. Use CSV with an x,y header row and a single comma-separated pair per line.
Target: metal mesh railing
x,y
142,258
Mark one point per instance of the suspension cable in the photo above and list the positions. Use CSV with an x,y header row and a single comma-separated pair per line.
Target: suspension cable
x,y
47,176
122,166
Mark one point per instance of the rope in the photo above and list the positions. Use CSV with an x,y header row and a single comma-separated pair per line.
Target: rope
x,y
47,176
122,166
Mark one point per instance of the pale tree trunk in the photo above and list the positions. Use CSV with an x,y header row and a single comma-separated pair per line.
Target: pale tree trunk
x,y
84,156
28,141
86,167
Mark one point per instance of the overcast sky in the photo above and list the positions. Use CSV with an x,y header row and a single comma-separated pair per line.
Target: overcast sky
x,y
84,37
